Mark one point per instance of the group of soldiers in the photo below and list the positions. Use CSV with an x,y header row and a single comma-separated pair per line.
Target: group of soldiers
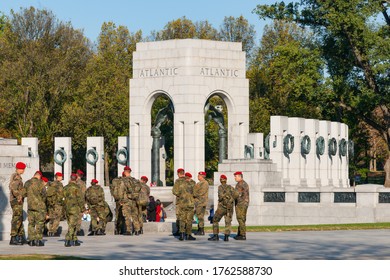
x,y
192,198
131,199
48,202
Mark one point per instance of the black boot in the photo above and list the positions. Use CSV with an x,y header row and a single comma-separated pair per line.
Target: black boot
x,y
177,233
215,237
181,238
128,233
141,231
68,243
190,237
226,238
200,231
240,237
32,243
21,240
14,241
76,243
39,243
99,232
92,233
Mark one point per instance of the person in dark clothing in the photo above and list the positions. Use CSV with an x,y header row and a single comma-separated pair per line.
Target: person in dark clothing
x,y
151,209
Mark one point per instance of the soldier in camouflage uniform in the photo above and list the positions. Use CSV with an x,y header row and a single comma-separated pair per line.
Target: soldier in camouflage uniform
x,y
181,175
117,192
36,205
95,201
54,202
83,188
130,207
17,193
187,207
201,194
74,207
144,194
226,197
242,203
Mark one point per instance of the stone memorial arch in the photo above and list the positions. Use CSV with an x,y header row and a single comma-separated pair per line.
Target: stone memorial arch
x,y
188,72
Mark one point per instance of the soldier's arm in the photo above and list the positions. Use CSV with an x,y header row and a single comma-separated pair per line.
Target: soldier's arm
x,y
16,190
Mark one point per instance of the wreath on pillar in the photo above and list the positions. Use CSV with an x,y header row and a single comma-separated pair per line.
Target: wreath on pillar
x,y
320,146
266,146
288,145
123,152
94,154
62,154
343,147
332,147
305,145
351,148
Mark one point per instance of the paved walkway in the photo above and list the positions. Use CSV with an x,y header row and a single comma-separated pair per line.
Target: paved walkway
x,y
308,245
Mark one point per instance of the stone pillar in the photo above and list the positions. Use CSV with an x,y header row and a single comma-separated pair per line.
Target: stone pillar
x,y
32,144
335,160
95,159
122,154
279,126
255,140
311,161
344,164
324,163
296,162
63,157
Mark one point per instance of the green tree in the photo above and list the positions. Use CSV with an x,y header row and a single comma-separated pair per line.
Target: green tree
x,y
355,43
181,28
42,61
101,105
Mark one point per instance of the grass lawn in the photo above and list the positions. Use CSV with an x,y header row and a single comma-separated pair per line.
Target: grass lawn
x,y
38,257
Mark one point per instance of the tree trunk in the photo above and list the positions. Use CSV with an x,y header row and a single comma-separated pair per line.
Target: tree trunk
x,y
106,170
387,170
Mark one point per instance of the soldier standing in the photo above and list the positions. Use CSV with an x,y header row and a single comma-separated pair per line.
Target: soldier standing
x,y
117,192
175,191
54,202
95,201
201,194
83,188
130,208
36,205
242,203
187,207
16,197
74,207
226,197
143,202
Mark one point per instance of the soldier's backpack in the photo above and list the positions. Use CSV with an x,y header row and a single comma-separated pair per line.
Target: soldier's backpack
x,y
116,187
143,198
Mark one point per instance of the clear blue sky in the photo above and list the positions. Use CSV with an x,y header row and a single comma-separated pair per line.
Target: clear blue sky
x,y
146,15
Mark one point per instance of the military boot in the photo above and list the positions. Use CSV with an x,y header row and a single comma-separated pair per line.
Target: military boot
x,y
190,237
200,231
68,243
14,241
92,233
76,243
21,240
141,231
226,238
137,232
240,237
182,235
177,233
39,243
215,237
128,233
99,232
32,243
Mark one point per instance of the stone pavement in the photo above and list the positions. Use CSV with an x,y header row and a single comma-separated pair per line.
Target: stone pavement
x,y
307,245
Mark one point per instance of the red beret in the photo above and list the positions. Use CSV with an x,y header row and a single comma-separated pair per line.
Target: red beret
x,y
58,174
94,181
180,170
38,172
80,172
238,173
20,165
202,173
223,177
74,175
144,178
44,179
188,174
127,168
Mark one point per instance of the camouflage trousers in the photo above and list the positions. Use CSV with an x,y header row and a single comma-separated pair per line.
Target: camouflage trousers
x,y
72,220
55,214
36,224
98,217
17,228
119,219
219,214
78,227
178,217
185,217
241,210
200,211
130,212
141,211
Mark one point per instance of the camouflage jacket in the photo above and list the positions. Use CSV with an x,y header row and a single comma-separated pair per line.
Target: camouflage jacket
x,y
95,196
17,191
55,194
83,188
133,187
177,186
73,199
36,194
243,193
226,196
201,193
